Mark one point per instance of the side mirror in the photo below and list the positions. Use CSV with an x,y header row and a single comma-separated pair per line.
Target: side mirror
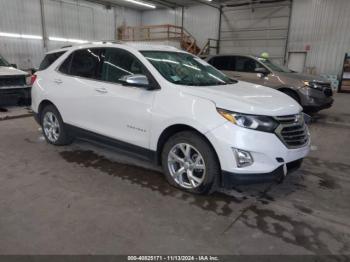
x,y
135,80
14,65
262,70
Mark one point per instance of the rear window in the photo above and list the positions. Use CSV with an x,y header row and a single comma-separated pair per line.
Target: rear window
x,y
49,59
222,62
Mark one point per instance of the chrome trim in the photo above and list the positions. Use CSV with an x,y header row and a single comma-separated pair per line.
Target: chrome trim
x,y
292,130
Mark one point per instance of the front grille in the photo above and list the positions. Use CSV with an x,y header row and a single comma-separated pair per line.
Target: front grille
x,y
12,81
292,130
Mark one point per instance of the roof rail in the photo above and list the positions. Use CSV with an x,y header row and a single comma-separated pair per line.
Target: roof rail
x,y
97,41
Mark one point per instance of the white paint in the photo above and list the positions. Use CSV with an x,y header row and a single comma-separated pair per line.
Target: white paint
x,y
153,111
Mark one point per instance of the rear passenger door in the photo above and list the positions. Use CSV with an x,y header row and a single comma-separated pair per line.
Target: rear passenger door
x,y
223,63
76,85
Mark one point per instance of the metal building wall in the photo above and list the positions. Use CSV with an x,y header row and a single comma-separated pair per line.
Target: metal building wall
x,y
324,26
162,16
200,20
75,19
21,17
256,29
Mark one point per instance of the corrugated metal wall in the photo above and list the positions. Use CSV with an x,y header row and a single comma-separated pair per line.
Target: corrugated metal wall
x,y
202,22
162,16
256,29
324,25
21,17
74,19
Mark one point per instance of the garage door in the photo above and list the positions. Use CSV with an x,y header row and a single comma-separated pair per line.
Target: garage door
x,y
253,29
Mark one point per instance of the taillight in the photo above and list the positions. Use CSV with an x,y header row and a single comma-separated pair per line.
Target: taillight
x,y
32,79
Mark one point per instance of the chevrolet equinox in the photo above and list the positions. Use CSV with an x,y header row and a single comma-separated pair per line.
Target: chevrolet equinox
x,y
168,106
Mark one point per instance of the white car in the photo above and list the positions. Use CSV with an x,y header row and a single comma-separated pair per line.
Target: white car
x,y
13,84
170,107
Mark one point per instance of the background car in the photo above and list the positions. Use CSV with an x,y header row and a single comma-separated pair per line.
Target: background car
x,y
313,93
14,89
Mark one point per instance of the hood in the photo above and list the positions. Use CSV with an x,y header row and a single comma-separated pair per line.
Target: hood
x,y
11,71
247,98
304,77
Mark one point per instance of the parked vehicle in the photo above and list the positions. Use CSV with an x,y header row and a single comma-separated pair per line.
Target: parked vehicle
x,y
14,89
170,107
312,92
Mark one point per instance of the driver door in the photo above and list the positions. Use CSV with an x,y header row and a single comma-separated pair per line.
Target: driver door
x,y
244,69
123,112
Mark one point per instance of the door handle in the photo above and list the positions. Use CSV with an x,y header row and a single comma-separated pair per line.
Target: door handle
x,y
237,75
101,90
58,81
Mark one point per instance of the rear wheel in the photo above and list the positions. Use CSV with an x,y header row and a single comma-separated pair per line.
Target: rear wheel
x,y
53,127
190,163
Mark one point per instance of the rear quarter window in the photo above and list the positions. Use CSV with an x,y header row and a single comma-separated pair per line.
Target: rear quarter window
x,y
49,59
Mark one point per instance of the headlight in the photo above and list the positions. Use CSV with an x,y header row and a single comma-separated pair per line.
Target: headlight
x,y
261,123
312,85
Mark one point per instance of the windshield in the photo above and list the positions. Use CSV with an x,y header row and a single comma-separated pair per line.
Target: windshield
x,y
185,69
3,62
274,67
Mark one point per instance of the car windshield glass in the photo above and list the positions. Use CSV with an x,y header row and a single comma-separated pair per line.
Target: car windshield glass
x,y
274,67
3,62
185,69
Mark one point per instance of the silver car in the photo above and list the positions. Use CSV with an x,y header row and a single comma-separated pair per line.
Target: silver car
x,y
312,92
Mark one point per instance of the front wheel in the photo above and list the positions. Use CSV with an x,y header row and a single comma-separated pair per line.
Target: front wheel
x,y
53,127
190,163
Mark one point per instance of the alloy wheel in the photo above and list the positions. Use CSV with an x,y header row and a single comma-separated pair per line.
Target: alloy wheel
x,y
186,166
51,127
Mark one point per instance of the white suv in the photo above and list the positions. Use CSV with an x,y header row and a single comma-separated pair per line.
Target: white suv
x,y
170,107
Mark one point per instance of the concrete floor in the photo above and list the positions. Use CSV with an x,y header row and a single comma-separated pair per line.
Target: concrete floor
x,y
84,199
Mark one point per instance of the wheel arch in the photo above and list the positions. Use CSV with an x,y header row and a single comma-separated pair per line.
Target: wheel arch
x,y
42,105
172,130
283,89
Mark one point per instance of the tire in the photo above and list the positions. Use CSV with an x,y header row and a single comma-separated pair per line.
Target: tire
x,y
291,94
51,118
200,169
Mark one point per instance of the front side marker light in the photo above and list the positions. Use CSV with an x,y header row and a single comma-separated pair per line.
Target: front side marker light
x,y
243,158
227,115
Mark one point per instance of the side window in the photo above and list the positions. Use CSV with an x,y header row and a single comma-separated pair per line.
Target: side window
x,y
65,66
245,64
221,62
84,63
49,59
118,63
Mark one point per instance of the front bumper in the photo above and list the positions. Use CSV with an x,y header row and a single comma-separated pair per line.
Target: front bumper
x,y
267,150
313,99
228,179
11,96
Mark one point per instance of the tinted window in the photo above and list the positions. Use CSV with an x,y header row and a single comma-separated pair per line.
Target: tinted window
x,y
118,63
246,64
222,62
65,67
84,63
49,59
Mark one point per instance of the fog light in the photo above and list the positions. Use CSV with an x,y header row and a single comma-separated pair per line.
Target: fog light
x,y
243,158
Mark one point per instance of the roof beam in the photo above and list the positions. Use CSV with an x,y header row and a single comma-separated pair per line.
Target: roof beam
x,y
110,3
206,3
